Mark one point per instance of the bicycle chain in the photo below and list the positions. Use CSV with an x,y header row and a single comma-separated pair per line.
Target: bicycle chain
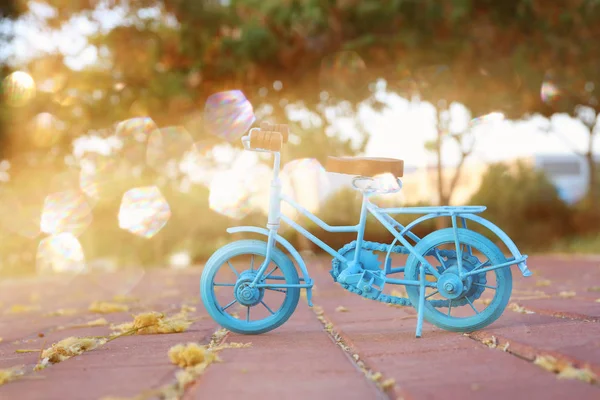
x,y
403,301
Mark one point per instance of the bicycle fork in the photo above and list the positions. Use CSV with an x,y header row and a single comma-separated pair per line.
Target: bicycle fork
x,y
273,219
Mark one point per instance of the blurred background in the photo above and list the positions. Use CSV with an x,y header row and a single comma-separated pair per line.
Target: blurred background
x,y
120,120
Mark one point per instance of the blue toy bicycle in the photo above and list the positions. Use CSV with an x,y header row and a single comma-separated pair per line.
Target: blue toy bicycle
x,y
456,278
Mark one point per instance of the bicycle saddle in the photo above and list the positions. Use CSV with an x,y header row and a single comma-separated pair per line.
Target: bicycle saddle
x,y
365,166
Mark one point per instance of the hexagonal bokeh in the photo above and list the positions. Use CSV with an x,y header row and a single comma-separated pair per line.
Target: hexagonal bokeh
x,y
144,211
167,147
229,194
60,253
134,134
228,115
66,211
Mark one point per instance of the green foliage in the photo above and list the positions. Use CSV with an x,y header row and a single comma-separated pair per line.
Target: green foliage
x,y
524,204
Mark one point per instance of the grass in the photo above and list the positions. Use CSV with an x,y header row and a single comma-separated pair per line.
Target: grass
x,y
581,245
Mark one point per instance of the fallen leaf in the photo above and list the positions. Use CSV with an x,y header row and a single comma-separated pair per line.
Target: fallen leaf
x,y
154,323
543,282
68,348
61,312
21,309
567,294
104,307
121,298
491,342
520,309
564,369
341,309
191,355
10,374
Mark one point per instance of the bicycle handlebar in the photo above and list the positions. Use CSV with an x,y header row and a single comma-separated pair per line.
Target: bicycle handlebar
x,y
268,138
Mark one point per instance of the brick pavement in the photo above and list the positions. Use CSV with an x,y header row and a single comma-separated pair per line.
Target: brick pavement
x,y
367,342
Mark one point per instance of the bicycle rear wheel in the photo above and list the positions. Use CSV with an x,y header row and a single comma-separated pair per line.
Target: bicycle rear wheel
x,y
461,305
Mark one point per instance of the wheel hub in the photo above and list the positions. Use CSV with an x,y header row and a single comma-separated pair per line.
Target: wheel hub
x,y
244,293
450,286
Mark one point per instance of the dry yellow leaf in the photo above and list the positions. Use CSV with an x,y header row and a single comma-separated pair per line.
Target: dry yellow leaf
x,y
388,383
582,374
10,374
191,355
491,342
520,309
341,309
565,369
597,300
104,307
121,298
20,309
68,348
543,282
567,294
60,312
154,323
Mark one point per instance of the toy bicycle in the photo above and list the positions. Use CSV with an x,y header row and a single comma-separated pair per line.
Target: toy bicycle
x,y
456,278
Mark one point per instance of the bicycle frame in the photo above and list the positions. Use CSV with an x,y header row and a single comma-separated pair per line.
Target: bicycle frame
x,y
400,232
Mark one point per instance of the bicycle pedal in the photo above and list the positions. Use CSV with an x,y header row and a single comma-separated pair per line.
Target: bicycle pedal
x,y
371,283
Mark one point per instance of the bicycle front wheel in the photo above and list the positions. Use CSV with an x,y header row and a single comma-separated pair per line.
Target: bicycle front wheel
x,y
233,303
460,304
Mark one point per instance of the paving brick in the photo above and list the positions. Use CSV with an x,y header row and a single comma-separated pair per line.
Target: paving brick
x,y
441,363
296,361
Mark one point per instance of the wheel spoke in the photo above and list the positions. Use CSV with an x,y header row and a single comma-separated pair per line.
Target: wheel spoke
x,y
273,270
233,269
276,277
248,314
252,263
487,286
470,250
276,290
229,305
450,308
439,257
483,264
223,284
432,294
471,304
267,307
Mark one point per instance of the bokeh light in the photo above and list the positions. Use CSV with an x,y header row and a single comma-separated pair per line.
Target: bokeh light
x,y
306,181
18,89
144,211
66,211
60,253
168,146
549,92
97,176
228,115
493,117
230,195
46,130
134,133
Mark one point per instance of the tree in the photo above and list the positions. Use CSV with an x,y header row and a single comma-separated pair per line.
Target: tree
x,y
591,121
462,137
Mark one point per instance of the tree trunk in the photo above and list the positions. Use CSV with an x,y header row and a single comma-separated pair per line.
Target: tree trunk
x,y
592,188
440,223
